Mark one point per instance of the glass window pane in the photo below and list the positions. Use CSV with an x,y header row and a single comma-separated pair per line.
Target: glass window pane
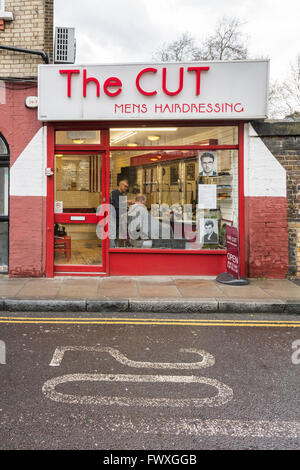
x,y
3,150
132,137
77,183
3,191
3,247
77,137
77,244
188,195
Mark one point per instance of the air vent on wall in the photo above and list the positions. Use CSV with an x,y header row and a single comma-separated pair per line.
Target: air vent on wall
x,y
65,46
5,15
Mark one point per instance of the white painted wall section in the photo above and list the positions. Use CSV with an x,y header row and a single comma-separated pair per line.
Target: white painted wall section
x,y
264,176
27,174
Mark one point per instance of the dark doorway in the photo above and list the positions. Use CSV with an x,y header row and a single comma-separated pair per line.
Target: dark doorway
x,y
4,205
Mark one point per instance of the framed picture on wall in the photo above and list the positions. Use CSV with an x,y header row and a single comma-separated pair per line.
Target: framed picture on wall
x,y
174,174
209,231
208,163
190,171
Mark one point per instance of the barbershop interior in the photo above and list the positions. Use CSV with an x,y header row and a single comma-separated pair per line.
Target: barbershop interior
x,y
167,166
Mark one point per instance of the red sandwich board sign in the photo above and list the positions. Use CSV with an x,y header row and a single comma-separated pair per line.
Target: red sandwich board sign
x,y
232,274
233,252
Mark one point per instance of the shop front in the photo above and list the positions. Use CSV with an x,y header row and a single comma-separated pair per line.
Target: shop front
x,y
171,139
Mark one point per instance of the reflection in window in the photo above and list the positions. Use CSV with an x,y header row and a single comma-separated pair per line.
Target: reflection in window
x,y
77,183
3,191
4,199
77,244
189,197
4,155
142,136
3,247
77,137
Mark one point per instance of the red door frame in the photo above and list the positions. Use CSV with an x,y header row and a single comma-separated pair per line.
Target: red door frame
x,y
74,270
104,148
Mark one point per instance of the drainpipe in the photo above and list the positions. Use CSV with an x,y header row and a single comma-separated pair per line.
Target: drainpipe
x,y
44,55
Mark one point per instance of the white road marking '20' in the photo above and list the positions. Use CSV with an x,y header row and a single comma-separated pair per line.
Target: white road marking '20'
x,y
207,361
224,394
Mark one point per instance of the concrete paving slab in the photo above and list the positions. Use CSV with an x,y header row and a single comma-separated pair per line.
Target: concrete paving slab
x,y
244,292
272,283
13,280
288,293
116,281
50,294
194,282
36,281
152,282
80,282
10,290
77,291
201,292
121,292
165,291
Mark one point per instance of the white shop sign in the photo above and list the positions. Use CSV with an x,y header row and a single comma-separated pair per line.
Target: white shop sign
x,y
197,90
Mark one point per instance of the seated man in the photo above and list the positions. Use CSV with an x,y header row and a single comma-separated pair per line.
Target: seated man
x,y
138,222
144,230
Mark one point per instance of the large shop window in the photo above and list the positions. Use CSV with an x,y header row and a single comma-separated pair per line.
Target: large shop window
x,y
4,201
173,198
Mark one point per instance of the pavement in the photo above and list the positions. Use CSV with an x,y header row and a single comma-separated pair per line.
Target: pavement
x,y
146,294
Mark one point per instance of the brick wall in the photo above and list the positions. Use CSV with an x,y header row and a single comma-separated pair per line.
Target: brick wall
x,y
19,125
31,28
283,140
267,237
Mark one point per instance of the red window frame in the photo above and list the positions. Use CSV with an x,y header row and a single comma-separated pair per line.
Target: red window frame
x,y
105,148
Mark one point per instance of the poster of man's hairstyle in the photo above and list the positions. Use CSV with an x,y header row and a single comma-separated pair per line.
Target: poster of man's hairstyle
x,y
208,163
209,231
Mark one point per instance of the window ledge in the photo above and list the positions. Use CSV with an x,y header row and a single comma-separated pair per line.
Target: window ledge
x,y
6,15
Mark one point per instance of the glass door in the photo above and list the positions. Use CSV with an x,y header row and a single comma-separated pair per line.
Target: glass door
x,y
78,193
3,219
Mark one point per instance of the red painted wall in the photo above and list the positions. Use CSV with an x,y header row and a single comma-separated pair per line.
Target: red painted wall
x,y
18,125
267,236
27,236
136,264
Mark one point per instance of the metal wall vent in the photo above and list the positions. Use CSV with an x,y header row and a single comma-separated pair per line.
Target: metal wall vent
x,y
64,46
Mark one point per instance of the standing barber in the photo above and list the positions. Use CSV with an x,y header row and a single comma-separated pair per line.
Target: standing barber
x,y
118,200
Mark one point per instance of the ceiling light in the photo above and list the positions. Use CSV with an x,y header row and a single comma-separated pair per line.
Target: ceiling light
x,y
123,137
132,144
78,141
153,159
153,138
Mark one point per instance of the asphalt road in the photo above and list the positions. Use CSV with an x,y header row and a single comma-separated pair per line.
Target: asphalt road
x,y
149,382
